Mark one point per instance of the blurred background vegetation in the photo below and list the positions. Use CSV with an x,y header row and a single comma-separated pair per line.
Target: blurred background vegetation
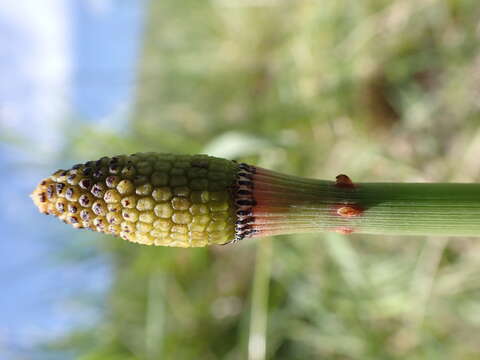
x,y
381,90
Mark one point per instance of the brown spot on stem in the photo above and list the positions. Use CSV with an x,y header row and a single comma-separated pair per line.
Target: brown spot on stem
x,y
349,211
344,230
343,181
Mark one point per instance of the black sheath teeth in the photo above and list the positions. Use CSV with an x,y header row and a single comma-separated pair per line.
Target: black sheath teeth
x,y
246,183
245,202
245,175
248,220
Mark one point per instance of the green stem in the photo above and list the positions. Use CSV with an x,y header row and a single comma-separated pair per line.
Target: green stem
x,y
418,209
288,204
257,341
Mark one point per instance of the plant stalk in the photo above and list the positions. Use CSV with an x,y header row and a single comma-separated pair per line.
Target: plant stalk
x,y
288,204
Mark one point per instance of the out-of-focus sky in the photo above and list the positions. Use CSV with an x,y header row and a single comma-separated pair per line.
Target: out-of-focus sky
x,y
61,63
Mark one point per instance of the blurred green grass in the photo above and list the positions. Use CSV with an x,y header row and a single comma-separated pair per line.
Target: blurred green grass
x,y
381,90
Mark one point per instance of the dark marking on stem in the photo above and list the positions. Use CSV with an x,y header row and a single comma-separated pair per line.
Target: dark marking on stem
x,y
343,181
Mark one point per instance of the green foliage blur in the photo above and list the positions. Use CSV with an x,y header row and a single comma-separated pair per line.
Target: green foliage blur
x,y
381,90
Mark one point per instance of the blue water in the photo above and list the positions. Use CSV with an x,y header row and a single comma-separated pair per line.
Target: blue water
x,y
47,270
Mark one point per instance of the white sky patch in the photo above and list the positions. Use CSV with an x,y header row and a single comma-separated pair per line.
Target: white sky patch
x,y
35,68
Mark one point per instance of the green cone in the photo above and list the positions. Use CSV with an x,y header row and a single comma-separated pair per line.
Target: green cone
x,y
147,198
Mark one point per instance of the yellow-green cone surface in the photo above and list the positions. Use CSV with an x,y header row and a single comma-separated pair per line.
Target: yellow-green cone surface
x,y
147,198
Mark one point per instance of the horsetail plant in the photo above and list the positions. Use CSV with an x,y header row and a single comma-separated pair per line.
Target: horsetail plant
x,y
199,200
